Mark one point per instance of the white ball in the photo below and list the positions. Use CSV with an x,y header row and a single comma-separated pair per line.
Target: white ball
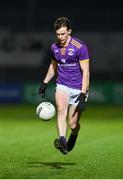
x,y
45,110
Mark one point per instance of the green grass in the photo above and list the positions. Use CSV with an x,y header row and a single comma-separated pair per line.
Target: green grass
x,y
27,151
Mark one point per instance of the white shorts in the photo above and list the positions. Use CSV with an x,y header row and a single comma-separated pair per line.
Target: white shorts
x,y
73,93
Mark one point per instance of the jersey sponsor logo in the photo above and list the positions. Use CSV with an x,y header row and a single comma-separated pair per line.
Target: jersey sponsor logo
x,y
68,65
71,52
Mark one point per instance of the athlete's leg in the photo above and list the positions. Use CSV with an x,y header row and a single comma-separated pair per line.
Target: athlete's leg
x,y
62,102
74,125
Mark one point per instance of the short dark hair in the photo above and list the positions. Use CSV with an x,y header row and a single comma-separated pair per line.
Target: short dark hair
x,y
62,22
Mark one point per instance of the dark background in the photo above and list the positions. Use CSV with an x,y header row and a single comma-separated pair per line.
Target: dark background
x,y
36,16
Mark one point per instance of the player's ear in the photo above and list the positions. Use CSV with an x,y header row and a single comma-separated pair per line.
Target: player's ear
x,y
70,30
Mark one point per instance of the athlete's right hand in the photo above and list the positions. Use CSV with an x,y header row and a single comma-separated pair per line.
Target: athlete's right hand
x,y
42,89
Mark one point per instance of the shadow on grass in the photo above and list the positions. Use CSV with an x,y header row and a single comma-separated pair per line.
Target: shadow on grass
x,y
51,165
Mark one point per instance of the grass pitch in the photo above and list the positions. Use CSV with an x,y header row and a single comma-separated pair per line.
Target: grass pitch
x,y
27,151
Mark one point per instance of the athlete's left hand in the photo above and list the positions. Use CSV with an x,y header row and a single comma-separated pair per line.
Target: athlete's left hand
x,y
81,102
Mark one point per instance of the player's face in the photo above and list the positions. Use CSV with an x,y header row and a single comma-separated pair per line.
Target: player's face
x,y
62,35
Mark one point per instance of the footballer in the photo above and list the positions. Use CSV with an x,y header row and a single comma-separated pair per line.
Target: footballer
x,y
70,64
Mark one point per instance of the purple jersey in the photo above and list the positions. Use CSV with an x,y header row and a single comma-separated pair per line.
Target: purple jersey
x,y
68,65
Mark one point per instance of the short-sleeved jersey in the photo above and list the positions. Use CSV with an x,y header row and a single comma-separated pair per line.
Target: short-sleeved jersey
x,y
68,62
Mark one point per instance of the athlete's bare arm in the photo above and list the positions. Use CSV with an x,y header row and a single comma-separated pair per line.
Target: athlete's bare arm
x,y
85,69
51,72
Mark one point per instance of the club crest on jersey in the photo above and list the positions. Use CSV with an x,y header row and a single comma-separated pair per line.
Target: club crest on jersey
x,y
70,52
63,50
